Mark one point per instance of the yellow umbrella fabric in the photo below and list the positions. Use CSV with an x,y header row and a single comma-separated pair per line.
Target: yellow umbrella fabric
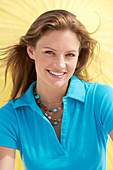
x,y
17,15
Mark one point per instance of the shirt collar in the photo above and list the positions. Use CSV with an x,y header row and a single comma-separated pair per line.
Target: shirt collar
x,y
26,99
76,91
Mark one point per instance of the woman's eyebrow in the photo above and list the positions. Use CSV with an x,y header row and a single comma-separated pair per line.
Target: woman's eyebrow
x,y
50,48
66,51
72,51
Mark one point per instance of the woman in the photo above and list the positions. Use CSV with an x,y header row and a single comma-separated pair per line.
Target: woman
x,y
55,118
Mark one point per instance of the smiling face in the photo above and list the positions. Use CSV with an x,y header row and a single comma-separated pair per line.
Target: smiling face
x,y
56,55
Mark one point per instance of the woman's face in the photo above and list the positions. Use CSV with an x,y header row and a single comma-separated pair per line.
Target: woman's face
x,y
55,55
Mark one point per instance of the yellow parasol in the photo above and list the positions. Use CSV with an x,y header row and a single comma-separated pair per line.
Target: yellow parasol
x,y
17,15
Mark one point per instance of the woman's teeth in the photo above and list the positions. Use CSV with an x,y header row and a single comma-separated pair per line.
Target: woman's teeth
x,y
56,74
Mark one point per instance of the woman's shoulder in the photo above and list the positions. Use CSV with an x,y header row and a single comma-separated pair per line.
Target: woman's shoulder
x,y
24,100
91,86
98,88
90,89
7,110
7,106
98,92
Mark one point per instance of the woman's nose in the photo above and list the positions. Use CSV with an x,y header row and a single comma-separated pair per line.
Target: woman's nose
x,y
60,62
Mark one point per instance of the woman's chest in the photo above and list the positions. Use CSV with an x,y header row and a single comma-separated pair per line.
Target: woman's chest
x,y
41,149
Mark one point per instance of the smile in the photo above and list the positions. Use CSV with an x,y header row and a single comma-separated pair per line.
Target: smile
x,y
56,74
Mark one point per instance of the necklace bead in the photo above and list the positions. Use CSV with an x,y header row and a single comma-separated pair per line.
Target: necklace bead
x,y
45,108
36,96
55,110
49,117
53,121
59,108
50,110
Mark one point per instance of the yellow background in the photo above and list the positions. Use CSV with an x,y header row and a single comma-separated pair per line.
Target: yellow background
x,y
17,15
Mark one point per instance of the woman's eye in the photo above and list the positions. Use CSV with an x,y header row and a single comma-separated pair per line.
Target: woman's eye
x,y
70,55
48,52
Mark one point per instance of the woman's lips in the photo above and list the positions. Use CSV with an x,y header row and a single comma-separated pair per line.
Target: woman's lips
x,y
57,74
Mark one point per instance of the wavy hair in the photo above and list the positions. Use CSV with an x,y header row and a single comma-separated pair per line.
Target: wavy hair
x,y
22,67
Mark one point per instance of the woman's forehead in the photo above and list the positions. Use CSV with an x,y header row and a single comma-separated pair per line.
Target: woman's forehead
x,y
58,37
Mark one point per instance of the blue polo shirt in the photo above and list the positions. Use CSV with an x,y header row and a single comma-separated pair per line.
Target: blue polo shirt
x,y
86,123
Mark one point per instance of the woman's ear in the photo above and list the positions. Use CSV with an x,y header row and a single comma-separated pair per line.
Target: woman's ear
x,y
30,51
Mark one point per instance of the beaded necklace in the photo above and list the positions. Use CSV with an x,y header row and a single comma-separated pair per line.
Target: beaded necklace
x,y
53,121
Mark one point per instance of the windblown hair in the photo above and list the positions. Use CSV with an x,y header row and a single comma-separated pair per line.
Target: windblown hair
x,y
22,67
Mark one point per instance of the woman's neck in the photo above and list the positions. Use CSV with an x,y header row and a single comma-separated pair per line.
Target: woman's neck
x,y
51,96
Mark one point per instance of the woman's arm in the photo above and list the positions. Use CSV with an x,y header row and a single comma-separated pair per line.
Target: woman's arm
x,y
7,158
111,134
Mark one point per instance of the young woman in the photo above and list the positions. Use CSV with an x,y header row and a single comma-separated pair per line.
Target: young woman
x,y
55,118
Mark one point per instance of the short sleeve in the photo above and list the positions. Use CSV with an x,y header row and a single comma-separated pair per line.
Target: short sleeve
x,y
104,106
8,127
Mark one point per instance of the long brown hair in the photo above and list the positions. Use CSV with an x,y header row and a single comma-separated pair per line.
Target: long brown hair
x,y
22,67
